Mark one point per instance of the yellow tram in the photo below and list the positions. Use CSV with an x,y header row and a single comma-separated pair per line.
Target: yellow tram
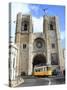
x,y
42,71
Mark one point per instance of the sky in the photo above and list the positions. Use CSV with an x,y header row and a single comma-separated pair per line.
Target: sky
x,y
37,12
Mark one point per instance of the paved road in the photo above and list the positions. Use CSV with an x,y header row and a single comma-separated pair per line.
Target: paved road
x,y
33,81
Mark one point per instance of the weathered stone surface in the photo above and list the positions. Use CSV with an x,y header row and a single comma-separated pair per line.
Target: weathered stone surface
x,y
26,55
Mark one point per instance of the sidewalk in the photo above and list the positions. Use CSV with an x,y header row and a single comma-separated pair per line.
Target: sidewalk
x,y
17,82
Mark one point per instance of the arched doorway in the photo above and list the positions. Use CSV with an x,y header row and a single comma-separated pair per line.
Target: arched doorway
x,y
39,60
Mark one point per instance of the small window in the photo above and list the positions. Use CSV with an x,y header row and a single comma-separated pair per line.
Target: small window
x,y
54,59
53,45
51,27
24,46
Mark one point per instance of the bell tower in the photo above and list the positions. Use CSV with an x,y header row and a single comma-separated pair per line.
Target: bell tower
x,y
26,24
52,34
23,29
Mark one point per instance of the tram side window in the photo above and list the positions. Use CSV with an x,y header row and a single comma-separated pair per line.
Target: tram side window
x,y
35,70
45,69
41,69
38,70
48,68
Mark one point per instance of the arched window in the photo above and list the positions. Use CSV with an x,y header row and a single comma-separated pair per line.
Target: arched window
x,y
51,26
25,27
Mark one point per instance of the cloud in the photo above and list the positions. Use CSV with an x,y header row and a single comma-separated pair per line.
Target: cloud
x,y
25,9
34,7
37,24
36,10
19,7
15,9
37,17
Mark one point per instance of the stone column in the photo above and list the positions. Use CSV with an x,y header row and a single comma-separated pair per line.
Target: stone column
x,y
30,54
45,30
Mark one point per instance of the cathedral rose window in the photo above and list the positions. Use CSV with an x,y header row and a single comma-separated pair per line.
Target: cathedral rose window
x,y
39,44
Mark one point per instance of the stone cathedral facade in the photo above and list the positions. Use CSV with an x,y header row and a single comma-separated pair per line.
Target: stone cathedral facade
x,y
37,48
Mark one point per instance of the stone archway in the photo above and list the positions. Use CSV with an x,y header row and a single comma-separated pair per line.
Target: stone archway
x,y
39,59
